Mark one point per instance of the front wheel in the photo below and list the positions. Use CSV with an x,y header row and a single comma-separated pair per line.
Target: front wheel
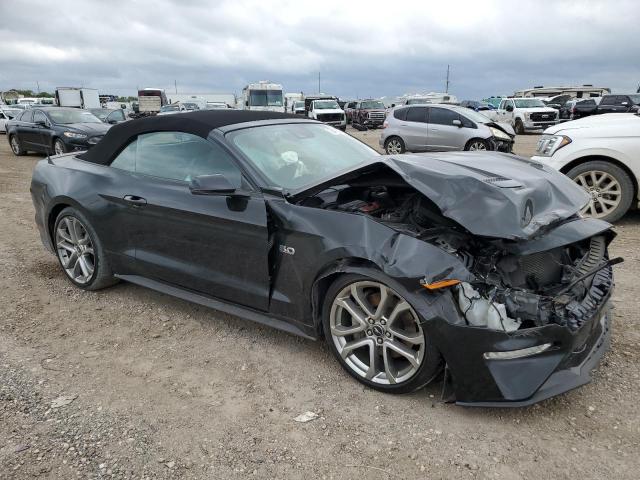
x,y
609,186
58,147
476,144
519,127
377,337
394,146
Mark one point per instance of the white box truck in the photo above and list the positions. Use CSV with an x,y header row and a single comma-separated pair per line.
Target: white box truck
x,y
263,96
77,97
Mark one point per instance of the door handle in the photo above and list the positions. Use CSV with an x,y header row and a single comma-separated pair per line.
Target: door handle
x,y
135,200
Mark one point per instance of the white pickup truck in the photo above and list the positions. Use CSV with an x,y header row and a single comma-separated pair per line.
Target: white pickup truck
x,y
525,114
326,110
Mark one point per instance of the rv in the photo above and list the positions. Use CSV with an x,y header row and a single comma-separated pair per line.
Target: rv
x,y
582,91
77,97
264,96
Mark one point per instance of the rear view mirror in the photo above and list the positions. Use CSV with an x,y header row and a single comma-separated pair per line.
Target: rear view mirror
x,y
457,123
214,185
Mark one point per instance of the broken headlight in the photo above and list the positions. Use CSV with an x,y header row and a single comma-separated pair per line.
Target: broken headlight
x,y
550,144
496,132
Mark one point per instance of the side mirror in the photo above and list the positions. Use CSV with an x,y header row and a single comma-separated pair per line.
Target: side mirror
x,y
112,121
457,123
41,123
216,184
509,108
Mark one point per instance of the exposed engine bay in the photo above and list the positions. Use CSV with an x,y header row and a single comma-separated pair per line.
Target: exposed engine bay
x,y
563,286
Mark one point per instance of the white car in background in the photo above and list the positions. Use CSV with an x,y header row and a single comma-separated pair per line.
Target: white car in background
x,y
601,153
6,114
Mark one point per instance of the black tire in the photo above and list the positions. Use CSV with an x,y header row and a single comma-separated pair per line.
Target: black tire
x,y
343,127
519,127
59,147
389,142
16,146
625,182
102,276
476,142
430,366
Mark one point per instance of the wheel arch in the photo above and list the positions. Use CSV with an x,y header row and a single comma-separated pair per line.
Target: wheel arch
x,y
475,139
58,205
603,158
326,276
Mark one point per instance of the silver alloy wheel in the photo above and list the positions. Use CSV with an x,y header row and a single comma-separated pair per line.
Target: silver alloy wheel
x,y
477,145
394,146
75,250
605,191
15,145
58,147
377,333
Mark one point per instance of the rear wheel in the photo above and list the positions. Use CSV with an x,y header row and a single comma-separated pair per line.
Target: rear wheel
x,y
476,144
609,186
377,337
394,146
80,251
16,146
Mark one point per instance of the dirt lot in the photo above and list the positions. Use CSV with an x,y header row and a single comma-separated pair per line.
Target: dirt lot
x,y
129,383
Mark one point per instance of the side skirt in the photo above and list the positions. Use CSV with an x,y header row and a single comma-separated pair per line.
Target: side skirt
x,y
232,309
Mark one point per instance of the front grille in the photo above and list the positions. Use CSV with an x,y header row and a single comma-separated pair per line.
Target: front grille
x,y
330,117
376,115
543,116
94,140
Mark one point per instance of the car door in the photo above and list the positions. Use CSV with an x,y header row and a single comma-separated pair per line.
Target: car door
x,y
212,244
607,105
41,132
443,133
26,131
413,129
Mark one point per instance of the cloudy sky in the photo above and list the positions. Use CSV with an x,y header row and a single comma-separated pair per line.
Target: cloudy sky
x,y
362,48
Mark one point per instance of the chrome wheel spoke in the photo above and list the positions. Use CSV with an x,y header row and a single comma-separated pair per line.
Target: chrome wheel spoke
x,y
404,351
382,304
359,297
75,250
67,246
413,338
391,376
348,348
397,310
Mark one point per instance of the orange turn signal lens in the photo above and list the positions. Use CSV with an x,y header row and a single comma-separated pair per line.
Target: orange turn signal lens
x,y
440,284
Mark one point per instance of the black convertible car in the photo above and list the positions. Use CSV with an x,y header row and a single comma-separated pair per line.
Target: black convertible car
x,y
477,263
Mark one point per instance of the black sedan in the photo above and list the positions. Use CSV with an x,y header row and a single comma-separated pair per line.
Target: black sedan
x,y
404,264
54,130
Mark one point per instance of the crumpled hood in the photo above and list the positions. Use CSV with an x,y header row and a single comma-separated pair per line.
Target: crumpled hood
x,y
489,193
89,128
492,194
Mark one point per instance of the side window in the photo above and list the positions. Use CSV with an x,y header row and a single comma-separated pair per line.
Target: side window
x,y
608,100
117,115
442,116
417,114
621,99
176,156
38,116
400,113
27,116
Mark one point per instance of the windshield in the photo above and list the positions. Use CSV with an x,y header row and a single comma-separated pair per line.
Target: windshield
x,y
373,104
472,115
529,103
325,105
72,116
293,156
635,99
265,98
298,105
191,106
101,113
170,108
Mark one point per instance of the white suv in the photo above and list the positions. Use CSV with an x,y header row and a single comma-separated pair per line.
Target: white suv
x,y
600,153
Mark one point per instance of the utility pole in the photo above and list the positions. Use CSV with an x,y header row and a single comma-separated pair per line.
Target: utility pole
x,y
38,84
318,82
175,84
446,90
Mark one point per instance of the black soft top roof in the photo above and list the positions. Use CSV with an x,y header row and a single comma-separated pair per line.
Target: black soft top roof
x,y
198,123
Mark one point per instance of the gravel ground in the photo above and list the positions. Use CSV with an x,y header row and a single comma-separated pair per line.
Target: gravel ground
x,y
129,383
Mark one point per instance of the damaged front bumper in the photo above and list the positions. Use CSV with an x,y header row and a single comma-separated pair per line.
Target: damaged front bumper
x,y
515,382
